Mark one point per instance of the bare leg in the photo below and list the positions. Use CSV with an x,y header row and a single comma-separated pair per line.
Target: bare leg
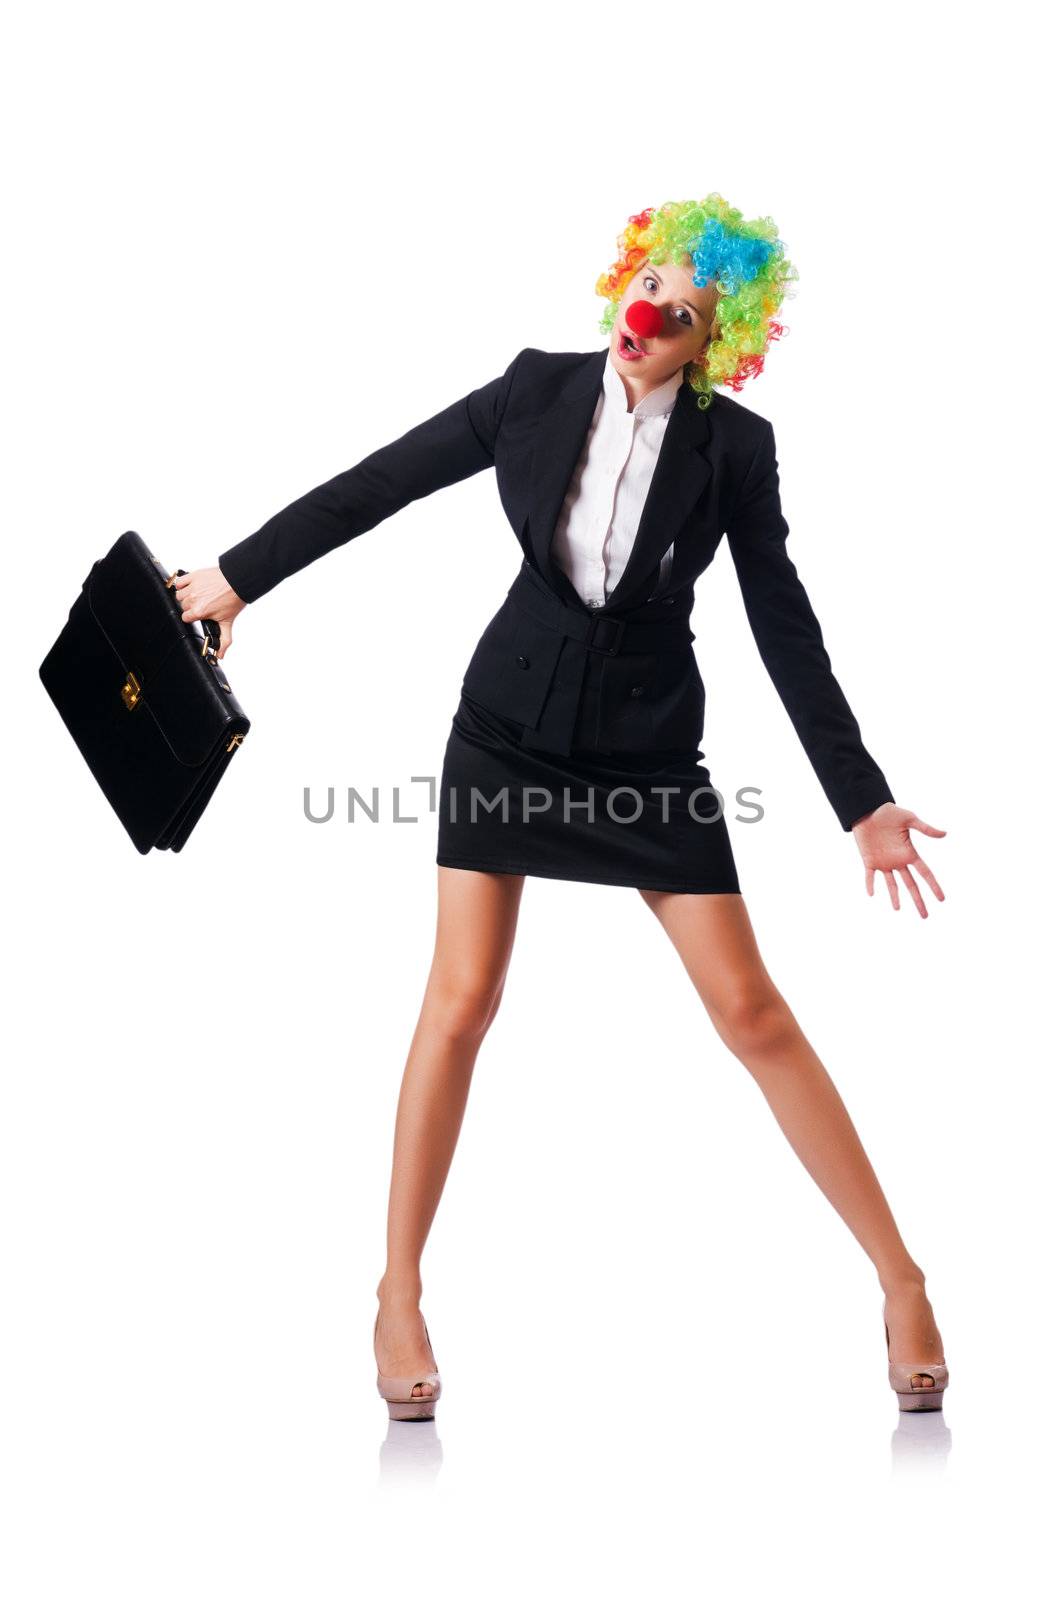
x,y
475,933
714,938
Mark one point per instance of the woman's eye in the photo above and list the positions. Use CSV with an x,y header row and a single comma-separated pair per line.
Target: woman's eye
x,y
653,283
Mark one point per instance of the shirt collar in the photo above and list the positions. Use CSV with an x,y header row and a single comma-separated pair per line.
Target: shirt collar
x,y
659,402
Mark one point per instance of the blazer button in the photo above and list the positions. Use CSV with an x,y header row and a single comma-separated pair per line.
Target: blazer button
x,y
523,662
638,688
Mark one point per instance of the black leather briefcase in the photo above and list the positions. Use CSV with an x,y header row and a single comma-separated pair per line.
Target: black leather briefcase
x,y
144,696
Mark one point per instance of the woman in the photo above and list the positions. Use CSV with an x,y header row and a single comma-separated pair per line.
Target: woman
x,y
573,751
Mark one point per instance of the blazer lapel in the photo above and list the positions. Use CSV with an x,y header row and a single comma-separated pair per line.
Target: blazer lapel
x,y
560,436
682,472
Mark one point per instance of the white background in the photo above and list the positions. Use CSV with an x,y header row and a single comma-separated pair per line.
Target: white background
x,y
246,246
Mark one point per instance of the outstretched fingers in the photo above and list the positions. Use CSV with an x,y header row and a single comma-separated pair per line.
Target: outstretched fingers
x,y
928,877
914,890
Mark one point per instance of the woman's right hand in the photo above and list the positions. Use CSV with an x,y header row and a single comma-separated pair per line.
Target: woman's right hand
x,y
206,592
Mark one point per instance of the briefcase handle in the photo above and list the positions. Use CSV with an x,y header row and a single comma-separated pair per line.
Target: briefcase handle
x,y
210,628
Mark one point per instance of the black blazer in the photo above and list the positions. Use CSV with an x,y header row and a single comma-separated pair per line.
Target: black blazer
x,y
545,658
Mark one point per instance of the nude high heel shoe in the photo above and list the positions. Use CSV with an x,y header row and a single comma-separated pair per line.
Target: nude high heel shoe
x,y
916,1397
401,1403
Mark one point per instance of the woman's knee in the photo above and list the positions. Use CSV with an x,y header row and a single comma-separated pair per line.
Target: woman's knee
x,y
464,1005
754,1019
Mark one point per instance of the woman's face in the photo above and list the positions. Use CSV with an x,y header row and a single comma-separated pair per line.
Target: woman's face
x,y
687,314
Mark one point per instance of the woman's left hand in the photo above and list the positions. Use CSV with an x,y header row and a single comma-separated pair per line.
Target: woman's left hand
x,y
885,845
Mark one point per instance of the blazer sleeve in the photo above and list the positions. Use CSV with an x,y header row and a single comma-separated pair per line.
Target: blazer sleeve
x,y
791,645
449,446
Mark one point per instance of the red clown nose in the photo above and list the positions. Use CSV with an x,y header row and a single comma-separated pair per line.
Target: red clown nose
x,y
644,318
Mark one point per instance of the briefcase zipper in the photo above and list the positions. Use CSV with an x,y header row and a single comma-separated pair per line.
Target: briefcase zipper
x,y
237,738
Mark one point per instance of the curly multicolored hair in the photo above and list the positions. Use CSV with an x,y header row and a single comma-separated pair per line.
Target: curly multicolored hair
x,y
743,259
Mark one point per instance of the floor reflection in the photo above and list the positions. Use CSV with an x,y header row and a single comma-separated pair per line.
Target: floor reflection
x,y
410,1456
920,1443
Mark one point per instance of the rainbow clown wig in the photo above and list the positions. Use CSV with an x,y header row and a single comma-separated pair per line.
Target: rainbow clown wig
x,y
743,259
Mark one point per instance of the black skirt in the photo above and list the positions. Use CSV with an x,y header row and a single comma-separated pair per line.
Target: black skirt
x,y
645,821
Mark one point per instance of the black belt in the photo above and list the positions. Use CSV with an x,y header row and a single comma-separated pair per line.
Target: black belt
x,y
610,635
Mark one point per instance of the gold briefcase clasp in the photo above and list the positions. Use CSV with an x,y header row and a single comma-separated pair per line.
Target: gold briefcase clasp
x,y
130,692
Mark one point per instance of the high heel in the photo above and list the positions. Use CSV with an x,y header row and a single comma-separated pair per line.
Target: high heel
x,y
401,1403
916,1397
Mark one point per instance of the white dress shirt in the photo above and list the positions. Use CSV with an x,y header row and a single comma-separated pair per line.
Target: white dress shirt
x,y
603,505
